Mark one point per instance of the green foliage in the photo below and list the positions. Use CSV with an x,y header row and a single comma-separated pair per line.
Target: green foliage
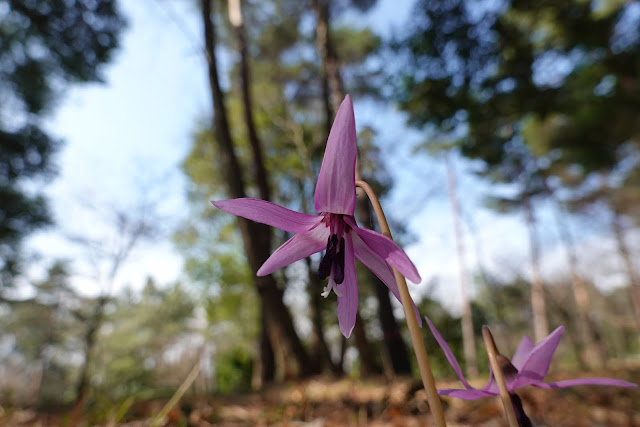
x,y
233,371
554,75
44,330
137,333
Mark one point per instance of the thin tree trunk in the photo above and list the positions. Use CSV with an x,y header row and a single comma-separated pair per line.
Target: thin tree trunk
x,y
292,358
540,326
333,94
368,364
95,321
235,16
330,64
623,250
468,338
592,353
319,349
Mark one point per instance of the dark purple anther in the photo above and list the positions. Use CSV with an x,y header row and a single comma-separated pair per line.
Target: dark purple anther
x,y
523,420
338,267
324,269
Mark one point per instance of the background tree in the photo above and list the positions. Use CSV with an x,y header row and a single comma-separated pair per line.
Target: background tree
x,y
44,330
44,46
555,83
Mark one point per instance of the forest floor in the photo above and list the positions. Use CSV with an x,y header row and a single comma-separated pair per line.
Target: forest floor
x,y
324,401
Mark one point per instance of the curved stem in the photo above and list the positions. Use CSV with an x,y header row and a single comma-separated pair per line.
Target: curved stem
x,y
414,330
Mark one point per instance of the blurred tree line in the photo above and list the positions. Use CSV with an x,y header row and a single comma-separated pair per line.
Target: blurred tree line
x,y
543,99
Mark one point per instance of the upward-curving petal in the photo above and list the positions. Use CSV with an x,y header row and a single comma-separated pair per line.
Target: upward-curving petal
x,y
348,292
450,357
536,365
299,246
522,352
379,267
388,250
336,186
268,213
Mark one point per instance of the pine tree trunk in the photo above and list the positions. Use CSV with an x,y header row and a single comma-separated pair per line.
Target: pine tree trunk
x,y
333,94
320,353
468,337
540,326
235,16
592,353
292,358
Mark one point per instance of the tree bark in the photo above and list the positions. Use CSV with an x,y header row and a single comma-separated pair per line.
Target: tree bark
x,y
540,326
592,351
320,352
235,16
468,337
333,94
291,356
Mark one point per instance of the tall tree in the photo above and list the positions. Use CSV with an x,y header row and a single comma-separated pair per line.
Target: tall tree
x,y
44,46
486,74
266,367
44,330
468,336
290,354
333,91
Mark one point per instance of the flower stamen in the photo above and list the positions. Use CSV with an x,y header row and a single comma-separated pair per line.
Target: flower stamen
x,y
338,266
324,269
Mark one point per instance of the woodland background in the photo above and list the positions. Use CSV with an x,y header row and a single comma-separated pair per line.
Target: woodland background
x,y
502,109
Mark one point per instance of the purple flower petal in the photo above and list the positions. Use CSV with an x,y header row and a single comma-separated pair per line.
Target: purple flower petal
x,y
470,394
448,354
586,381
536,365
520,356
299,246
379,267
269,213
388,250
348,301
492,386
336,186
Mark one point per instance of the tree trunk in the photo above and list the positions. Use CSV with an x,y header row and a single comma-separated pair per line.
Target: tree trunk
x,y
235,16
319,349
540,326
592,351
333,94
82,386
292,358
623,250
368,364
330,65
468,338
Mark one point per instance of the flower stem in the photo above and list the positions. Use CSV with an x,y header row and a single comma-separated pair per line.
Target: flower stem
x,y
493,353
407,304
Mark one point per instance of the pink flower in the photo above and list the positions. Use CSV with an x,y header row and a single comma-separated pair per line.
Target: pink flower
x,y
529,366
334,229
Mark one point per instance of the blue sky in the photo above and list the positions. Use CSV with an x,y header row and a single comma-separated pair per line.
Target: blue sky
x,y
125,140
